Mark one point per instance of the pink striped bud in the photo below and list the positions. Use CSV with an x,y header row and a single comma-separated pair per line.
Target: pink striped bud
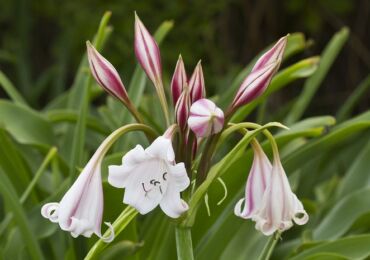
x,y
106,75
205,118
182,108
260,77
196,84
179,80
147,53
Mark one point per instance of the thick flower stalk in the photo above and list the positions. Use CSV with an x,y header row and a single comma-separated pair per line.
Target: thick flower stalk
x,y
269,200
205,118
151,178
81,209
259,78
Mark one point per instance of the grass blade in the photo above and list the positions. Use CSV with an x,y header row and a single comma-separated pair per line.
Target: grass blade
x,y
313,83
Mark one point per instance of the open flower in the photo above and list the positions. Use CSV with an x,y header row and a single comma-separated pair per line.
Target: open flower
x,y
106,75
269,199
81,209
259,176
205,118
151,178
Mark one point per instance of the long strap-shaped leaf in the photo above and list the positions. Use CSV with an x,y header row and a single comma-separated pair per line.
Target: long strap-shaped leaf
x,y
9,194
313,83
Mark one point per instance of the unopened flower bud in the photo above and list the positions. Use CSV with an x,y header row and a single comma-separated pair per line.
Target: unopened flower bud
x,y
205,118
260,77
106,75
196,84
179,80
182,108
147,52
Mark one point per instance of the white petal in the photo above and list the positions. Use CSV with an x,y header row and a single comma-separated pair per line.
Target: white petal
x,y
178,177
202,107
161,148
238,208
137,199
141,192
171,204
119,174
86,208
50,211
109,238
300,215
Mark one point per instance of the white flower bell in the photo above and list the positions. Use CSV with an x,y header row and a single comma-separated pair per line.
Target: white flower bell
x,y
269,200
151,178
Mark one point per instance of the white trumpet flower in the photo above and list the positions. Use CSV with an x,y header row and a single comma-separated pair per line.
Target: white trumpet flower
x,y
151,178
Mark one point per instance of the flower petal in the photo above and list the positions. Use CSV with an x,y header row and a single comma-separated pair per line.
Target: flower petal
x,y
161,148
179,177
119,174
171,204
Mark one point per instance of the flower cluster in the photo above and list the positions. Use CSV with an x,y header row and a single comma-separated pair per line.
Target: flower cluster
x,y
151,177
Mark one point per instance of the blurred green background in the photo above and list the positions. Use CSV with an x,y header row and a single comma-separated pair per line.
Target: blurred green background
x,y
42,41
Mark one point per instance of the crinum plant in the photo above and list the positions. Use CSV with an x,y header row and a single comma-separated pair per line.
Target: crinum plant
x,y
175,171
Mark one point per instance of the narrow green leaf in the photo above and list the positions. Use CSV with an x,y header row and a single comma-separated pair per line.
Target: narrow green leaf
x,y
9,89
359,92
65,115
82,92
25,125
355,178
338,135
313,83
355,247
340,218
9,195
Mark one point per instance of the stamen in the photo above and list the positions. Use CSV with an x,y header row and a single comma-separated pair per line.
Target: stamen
x,y
146,191
164,176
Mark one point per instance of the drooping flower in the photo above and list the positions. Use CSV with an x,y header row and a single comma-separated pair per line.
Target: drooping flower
x,y
205,118
196,84
269,200
147,52
179,80
258,178
151,178
106,75
81,209
262,72
182,108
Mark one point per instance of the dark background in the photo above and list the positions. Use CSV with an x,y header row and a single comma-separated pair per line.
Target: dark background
x,y
42,42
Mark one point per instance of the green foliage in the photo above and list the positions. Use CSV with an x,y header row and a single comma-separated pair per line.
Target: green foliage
x,y
327,163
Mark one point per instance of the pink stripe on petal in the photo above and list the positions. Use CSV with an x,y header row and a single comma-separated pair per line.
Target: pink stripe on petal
x,y
147,52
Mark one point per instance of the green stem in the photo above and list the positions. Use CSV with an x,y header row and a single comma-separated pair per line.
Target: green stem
x,y
269,247
163,101
184,245
119,225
